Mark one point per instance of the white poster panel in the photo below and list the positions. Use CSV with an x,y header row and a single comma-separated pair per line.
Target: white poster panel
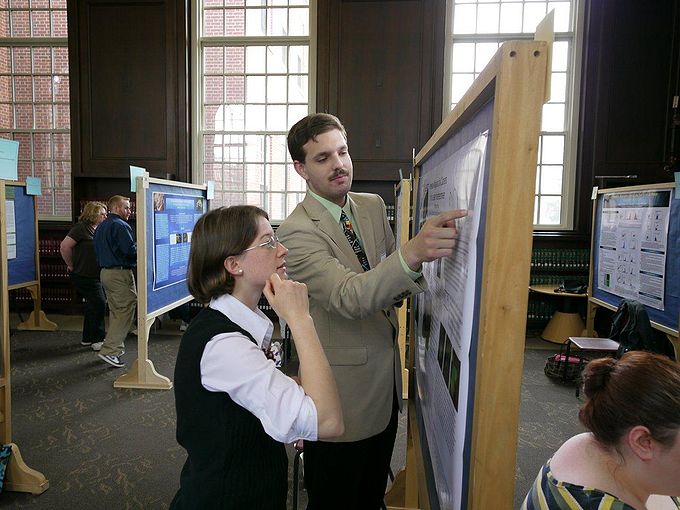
x,y
445,316
11,228
633,245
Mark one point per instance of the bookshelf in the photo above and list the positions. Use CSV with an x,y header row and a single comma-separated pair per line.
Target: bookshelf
x,y
551,266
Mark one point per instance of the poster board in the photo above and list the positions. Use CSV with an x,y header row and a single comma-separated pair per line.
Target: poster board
x,y
473,317
23,260
635,253
14,203
166,214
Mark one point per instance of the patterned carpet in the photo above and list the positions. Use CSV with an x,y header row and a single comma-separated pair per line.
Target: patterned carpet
x,y
106,448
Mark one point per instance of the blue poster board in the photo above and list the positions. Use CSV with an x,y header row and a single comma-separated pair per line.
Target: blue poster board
x,y
667,317
171,213
22,268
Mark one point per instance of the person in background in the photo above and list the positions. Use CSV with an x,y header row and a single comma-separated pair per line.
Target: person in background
x,y
77,250
342,247
630,457
234,408
116,252
183,313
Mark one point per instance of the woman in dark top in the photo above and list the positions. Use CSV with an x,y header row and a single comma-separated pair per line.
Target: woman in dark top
x,y
630,457
235,410
77,250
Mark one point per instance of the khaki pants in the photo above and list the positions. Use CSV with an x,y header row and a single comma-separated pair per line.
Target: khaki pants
x,y
121,295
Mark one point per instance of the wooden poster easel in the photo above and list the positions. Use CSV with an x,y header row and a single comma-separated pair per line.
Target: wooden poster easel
x,y
515,81
402,225
594,302
143,374
37,320
19,477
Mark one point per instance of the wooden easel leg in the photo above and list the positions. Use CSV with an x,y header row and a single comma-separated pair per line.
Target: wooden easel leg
x,y
21,478
37,321
143,375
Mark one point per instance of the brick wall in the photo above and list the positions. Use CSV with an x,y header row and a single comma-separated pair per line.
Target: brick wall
x,y
34,95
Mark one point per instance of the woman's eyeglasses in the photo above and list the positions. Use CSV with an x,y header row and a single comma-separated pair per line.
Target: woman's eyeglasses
x,y
272,243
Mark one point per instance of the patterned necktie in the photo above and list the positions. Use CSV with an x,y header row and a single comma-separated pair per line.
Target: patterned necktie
x,y
354,241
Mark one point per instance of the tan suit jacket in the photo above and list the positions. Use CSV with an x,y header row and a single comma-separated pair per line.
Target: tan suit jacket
x,y
353,310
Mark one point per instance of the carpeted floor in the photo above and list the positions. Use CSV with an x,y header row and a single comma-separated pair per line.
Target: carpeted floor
x,y
106,448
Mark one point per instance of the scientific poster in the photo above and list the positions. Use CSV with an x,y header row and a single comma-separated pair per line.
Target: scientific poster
x,y
633,245
174,217
445,314
10,221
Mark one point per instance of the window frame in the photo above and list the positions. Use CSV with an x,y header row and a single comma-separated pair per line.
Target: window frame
x,y
572,100
199,41
47,42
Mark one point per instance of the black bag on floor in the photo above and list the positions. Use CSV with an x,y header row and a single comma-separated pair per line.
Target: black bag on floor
x,y
560,368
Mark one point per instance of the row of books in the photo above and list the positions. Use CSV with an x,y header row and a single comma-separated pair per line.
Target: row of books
x,y
540,311
49,246
50,295
553,279
560,259
54,271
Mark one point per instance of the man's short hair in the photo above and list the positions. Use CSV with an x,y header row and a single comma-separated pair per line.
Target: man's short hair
x,y
116,200
308,129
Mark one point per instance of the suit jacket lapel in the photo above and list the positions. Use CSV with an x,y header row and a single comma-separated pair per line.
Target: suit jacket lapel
x,y
325,222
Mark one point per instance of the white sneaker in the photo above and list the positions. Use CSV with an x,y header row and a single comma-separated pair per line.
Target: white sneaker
x,y
112,360
97,346
183,326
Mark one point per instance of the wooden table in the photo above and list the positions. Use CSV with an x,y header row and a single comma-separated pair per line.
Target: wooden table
x,y
566,321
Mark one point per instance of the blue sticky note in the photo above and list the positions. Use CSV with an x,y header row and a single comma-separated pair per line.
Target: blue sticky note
x,y
135,171
677,185
34,186
9,155
211,190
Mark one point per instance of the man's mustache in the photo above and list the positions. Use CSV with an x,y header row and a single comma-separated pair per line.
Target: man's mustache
x,y
339,173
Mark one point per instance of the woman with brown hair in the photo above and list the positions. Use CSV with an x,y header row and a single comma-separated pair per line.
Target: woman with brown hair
x,y
77,250
234,408
630,456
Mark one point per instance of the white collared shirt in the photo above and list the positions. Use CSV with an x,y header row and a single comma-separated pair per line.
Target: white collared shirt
x,y
232,364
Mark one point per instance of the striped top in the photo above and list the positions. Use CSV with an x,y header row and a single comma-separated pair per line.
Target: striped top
x,y
548,493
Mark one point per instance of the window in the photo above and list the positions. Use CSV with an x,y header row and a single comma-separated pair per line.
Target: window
x,y
34,97
253,75
475,30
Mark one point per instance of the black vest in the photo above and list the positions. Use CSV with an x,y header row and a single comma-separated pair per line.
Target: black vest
x,y
232,462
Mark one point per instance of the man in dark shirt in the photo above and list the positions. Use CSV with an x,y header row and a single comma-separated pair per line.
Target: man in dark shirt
x,y
117,255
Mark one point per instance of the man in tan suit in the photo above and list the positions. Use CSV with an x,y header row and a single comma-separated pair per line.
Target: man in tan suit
x,y
342,247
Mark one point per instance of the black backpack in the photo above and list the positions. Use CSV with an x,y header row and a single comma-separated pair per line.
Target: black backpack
x,y
633,330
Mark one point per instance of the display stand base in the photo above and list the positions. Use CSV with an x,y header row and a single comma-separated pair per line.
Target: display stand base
x,y
38,322
143,376
562,326
395,499
21,478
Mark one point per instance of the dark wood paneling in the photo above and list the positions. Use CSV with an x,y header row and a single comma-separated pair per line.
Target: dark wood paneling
x,y
130,85
377,73
629,76
128,88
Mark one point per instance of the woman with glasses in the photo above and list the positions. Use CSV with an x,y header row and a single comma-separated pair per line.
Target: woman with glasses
x,y
235,410
77,250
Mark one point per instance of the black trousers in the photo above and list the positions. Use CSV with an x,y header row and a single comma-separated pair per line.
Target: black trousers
x,y
350,475
95,306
